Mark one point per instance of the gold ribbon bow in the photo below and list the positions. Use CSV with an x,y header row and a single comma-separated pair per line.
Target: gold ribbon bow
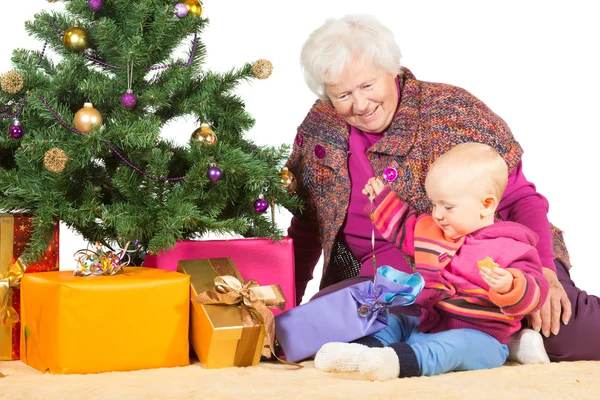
x,y
10,279
229,290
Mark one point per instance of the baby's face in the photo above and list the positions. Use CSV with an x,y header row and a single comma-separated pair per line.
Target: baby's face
x,y
456,205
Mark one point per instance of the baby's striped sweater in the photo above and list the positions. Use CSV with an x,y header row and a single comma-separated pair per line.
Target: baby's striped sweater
x,y
455,294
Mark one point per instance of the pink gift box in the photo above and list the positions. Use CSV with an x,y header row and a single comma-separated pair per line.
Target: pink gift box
x,y
263,260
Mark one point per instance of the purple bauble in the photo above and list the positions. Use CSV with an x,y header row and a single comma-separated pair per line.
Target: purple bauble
x,y
261,205
214,173
16,130
94,5
128,100
181,10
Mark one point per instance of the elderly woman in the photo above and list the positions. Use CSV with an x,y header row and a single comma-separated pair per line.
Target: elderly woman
x,y
374,118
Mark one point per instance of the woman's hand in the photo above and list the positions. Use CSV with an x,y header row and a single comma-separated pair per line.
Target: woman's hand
x,y
557,302
498,278
373,187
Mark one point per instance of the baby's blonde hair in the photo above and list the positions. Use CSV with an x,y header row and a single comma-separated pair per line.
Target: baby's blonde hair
x,y
479,163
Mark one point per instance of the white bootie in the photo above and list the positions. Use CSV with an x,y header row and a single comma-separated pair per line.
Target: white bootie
x,y
527,347
339,357
379,364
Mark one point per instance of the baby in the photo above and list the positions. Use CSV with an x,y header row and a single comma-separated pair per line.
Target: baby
x,y
482,276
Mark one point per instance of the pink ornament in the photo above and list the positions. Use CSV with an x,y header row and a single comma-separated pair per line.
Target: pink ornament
x,y
16,130
95,5
214,173
261,205
128,100
181,10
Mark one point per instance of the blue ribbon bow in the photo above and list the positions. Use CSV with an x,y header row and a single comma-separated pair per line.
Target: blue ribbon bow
x,y
391,288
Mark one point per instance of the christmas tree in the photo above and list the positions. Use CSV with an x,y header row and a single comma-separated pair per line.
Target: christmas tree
x,y
83,141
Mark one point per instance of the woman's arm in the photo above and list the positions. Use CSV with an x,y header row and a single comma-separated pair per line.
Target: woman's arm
x,y
523,204
303,230
307,251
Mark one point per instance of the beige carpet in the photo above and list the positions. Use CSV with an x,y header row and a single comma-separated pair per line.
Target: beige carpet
x,y
577,380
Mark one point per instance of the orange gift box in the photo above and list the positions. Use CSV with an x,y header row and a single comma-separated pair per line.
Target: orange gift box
x,y
15,232
137,319
220,335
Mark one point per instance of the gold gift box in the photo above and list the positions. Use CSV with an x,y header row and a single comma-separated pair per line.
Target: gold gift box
x,y
137,319
218,336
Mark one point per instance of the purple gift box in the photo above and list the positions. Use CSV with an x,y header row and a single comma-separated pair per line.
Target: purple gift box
x,y
344,315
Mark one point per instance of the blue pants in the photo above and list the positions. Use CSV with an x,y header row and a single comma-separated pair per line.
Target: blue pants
x,y
437,353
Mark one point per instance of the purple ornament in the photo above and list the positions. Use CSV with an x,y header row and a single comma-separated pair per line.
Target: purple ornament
x,y
261,205
128,100
94,5
16,130
390,174
214,173
181,10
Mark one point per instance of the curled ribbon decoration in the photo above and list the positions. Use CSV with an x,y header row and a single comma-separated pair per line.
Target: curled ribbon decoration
x,y
100,261
10,279
249,294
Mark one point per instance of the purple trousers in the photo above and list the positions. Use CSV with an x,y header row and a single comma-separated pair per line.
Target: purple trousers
x,y
578,340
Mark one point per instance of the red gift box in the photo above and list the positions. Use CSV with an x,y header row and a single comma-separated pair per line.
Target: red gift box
x,y
15,232
266,261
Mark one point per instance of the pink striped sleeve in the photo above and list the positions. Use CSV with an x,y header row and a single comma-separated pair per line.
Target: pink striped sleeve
x,y
395,220
526,296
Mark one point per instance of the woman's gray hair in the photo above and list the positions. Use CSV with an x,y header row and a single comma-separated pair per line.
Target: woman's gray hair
x,y
331,47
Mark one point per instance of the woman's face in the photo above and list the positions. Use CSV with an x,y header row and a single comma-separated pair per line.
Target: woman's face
x,y
365,96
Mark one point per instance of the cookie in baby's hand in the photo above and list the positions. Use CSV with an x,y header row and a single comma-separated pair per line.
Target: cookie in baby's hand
x,y
487,263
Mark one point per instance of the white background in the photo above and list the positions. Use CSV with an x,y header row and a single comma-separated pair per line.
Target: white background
x,y
535,63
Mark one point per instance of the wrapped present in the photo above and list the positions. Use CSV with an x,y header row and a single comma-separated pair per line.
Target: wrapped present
x,y
347,314
230,321
137,319
265,261
15,232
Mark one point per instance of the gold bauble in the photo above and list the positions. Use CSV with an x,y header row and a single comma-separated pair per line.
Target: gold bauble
x,y
205,136
75,40
87,118
12,82
288,180
55,160
262,68
194,7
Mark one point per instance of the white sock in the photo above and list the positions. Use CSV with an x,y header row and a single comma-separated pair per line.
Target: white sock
x,y
527,347
339,357
379,364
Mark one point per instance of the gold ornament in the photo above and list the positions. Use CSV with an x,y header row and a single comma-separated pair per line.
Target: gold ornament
x,y
87,118
288,180
262,68
75,40
55,160
194,7
12,82
205,136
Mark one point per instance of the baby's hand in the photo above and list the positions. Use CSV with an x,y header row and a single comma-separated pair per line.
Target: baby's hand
x,y
498,278
373,187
